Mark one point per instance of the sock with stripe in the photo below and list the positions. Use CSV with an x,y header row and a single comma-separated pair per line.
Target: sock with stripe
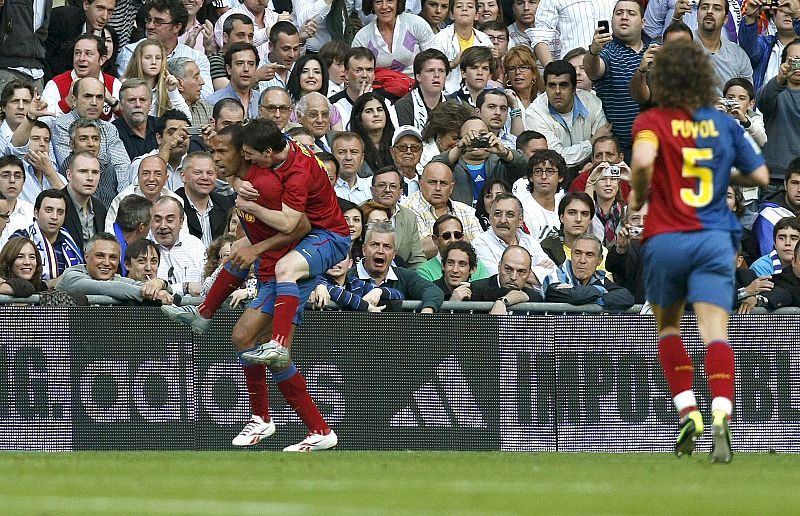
x,y
286,302
720,370
679,372
230,278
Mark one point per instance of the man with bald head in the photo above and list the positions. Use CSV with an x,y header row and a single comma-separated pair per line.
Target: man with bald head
x,y
89,94
275,105
433,200
510,285
151,181
183,256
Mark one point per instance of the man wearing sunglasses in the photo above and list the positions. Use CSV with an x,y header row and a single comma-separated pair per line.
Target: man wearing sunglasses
x,y
446,230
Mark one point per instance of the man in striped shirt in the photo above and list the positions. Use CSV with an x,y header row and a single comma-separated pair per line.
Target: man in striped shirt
x,y
611,62
570,22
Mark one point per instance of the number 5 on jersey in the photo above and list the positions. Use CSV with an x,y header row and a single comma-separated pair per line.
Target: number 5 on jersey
x,y
704,192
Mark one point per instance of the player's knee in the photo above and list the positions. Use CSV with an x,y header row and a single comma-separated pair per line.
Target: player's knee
x,y
242,339
286,269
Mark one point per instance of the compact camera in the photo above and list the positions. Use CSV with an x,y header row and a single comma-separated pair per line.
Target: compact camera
x,y
730,104
611,171
480,143
794,63
635,231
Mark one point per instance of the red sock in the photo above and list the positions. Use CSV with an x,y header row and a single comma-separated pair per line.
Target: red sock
x,y
286,303
296,393
720,369
678,370
222,287
255,378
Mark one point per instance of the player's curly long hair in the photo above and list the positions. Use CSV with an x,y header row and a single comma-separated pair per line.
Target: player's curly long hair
x,y
683,77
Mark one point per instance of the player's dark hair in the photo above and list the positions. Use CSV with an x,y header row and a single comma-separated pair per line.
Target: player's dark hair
x,y
50,193
571,197
561,67
672,87
465,247
544,156
425,56
482,95
263,135
445,218
742,83
786,223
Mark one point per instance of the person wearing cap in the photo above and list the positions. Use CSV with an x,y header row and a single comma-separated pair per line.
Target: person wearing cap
x,y
406,152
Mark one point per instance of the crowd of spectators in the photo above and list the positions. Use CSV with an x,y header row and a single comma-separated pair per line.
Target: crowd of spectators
x,y
478,148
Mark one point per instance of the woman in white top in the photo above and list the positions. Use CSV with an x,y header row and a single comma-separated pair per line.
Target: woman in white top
x,y
394,38
149,63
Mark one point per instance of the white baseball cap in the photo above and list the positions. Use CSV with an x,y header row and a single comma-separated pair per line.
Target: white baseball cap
x,y
406,130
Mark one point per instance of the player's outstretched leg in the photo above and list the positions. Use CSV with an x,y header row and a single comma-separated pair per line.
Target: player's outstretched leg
x,y
720,371
230,278
679,371
292,385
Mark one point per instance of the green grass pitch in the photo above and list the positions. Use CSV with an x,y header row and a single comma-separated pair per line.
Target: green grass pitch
x,y
440,483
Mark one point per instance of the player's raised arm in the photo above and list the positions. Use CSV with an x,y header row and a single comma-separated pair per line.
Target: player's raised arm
x,y
645,149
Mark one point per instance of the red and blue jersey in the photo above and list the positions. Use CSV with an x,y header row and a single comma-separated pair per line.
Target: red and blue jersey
x,y
271,190
691,174
307,189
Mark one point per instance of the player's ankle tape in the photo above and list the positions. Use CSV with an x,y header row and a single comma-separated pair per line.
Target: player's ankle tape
x,y
282,376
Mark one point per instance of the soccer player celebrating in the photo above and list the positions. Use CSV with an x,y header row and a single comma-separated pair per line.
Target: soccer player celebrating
x,y
683,152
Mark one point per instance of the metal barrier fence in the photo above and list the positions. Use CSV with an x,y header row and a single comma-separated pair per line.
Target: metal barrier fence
x,y
98,378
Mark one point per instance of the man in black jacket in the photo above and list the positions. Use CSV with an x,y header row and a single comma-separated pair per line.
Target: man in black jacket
x,y
22,53
578,282
786,291
205,210
85,214
508,286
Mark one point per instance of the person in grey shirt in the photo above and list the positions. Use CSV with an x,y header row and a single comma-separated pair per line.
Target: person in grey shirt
x,y
99,275
729,59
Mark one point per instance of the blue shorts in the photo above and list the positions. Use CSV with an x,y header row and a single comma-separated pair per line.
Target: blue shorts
x,y
698,267
322,250
265,297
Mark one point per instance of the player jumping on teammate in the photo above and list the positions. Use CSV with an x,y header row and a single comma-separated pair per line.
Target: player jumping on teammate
x,y
683,153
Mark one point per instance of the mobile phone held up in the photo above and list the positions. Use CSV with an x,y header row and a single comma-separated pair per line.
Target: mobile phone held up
x,y
603,26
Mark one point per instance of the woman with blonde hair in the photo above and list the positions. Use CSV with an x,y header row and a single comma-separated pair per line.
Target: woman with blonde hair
x,y
522,75
149,63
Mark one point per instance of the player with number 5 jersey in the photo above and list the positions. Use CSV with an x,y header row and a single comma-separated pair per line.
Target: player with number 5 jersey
x,y
683,154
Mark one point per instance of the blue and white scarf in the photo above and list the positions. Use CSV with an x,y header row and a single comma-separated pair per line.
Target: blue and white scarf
x,y
64,248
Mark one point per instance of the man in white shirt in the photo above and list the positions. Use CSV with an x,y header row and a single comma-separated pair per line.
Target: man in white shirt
x,y
569,119
505,217
20,213
569,23
183,256
348,149
541,192
14,102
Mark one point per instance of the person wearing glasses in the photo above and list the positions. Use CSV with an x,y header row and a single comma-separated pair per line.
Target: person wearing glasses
x,y
433,200
406,152
275,105
447,230
165,21
386,189
15,213
183,256
546,169
571,138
